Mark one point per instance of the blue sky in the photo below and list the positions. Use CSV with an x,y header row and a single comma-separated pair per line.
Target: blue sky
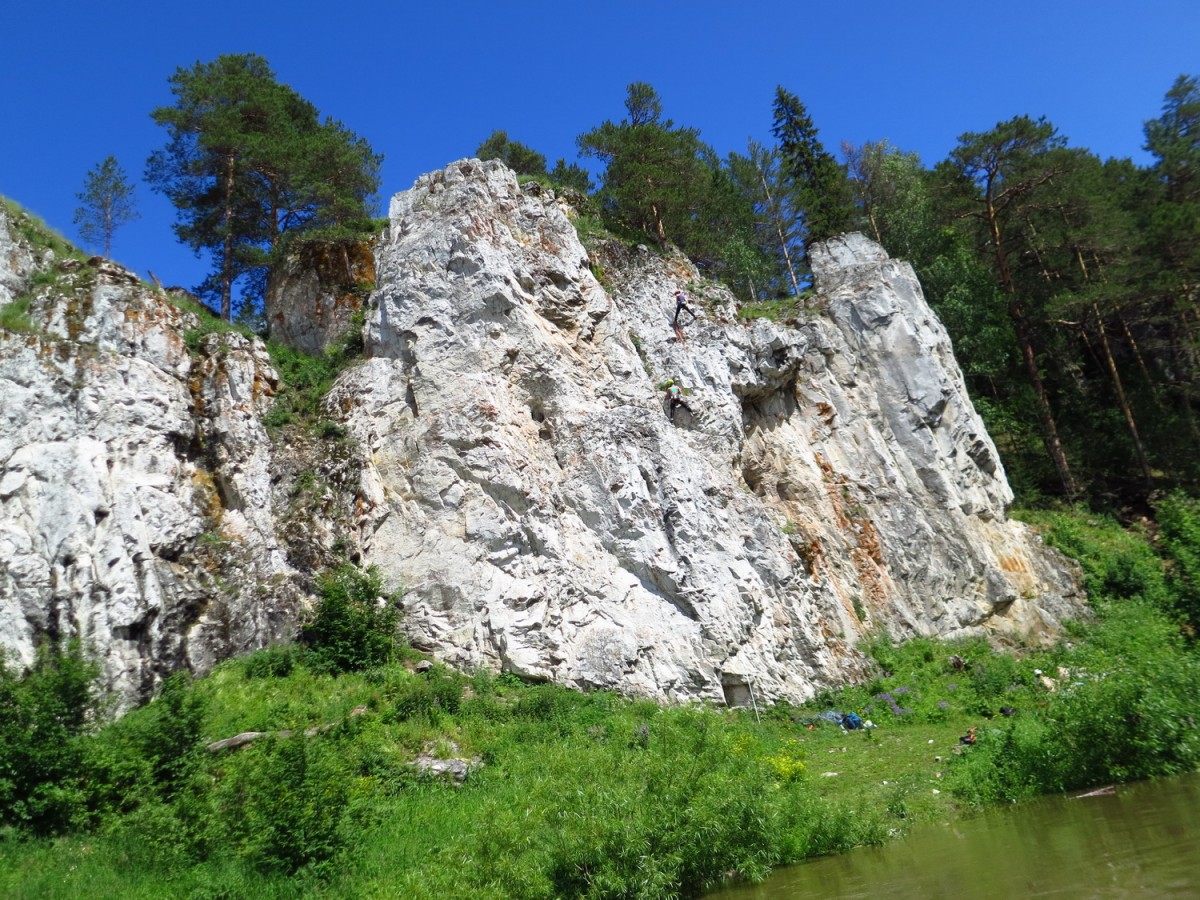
x,y
426,83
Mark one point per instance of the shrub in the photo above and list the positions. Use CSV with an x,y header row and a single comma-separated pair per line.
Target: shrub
x,y
306,378
282,806
1118,564
428,697
1179,533
167,733
355,623
1122,711
14,316
271,662
44,716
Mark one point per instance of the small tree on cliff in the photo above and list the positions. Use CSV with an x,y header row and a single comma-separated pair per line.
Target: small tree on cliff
x,y
107,203
248,161
521,159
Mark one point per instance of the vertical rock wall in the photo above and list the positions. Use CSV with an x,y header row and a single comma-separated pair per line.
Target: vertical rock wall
x,y
527,490
136,495
511,465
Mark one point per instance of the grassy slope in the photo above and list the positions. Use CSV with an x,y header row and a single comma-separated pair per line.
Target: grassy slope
x,y
600,795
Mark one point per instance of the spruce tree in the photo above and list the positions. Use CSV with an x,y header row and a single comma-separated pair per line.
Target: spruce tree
x,y
822,188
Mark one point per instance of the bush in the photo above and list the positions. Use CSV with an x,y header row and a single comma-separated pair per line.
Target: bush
x,y
271,662
283,804
1118,564
355,623
1123,710
44,717
1179,533
428,697
167,734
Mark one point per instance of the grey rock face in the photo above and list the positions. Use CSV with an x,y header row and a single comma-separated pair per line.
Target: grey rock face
x,y
528,491
315,293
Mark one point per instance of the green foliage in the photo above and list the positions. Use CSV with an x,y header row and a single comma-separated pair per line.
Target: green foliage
x,y
664,183
572,176
355,622
45,714
777,233
521,159
283,804
306,378
167,734
1118,564
107,202
429,698
1122,709
273,662
37,233
1178,517
824,197
14,316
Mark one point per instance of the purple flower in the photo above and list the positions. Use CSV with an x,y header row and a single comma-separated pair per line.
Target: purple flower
x,y
901,690
942,704
952,687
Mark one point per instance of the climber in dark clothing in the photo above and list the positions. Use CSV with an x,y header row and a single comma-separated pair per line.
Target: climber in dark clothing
x,y
675,400
681,305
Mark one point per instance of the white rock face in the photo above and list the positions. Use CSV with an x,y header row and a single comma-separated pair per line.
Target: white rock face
x,y
527,490
512,466
135,488
16,262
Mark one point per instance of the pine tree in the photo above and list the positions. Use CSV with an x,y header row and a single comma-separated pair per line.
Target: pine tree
x,y
998,174
655,174
249,161
108,202
521,159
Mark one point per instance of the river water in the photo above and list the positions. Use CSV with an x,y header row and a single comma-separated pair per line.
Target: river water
x,y
1141,841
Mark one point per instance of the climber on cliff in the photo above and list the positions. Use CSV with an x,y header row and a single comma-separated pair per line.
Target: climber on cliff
x,y
682,305
675,399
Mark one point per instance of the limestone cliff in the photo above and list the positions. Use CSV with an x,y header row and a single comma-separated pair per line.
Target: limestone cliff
x,y
510,465
528,491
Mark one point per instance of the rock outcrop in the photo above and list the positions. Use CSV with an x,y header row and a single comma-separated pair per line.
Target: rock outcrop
x,y
510,465
527,490
136,491
315,294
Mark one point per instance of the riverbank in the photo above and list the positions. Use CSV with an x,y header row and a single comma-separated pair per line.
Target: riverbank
x,y
389,775
573,795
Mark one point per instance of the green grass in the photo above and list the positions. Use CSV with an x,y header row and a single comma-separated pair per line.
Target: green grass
x,y
14,316
37,233
579,795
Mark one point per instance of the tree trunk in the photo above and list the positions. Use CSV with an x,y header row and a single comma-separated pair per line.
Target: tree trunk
x,y
787,256
227,245
1045,415
1126,410
1025,339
